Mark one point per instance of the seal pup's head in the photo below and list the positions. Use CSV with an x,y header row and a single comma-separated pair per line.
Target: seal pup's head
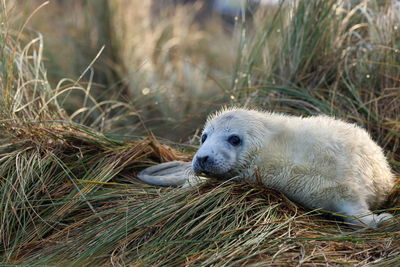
x,y
230,140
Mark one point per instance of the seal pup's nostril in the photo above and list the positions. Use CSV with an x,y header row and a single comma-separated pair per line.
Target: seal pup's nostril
x,y
202,161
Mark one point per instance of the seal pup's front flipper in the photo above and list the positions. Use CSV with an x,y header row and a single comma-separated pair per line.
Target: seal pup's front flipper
x,y
174,173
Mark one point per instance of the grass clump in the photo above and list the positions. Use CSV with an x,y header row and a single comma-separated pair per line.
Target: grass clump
x,y
329,57
68,193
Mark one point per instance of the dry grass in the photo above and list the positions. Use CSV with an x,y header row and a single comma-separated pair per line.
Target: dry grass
x,y
72,199
175,69
169,68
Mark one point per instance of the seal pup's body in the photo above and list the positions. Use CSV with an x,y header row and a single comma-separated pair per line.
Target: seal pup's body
x,y
317,161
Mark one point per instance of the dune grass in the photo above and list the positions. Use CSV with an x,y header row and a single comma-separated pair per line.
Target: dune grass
x,y
328,57
68,193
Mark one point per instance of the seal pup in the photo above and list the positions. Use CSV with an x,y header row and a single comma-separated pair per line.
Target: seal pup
x,y
318,161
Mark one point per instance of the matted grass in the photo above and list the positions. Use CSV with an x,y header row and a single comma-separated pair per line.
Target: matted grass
x,y
69,197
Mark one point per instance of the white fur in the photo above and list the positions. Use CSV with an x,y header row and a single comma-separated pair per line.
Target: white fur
x,y
317,161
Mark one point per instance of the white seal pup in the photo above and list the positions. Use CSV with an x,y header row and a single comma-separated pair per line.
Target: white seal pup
x,y
319,161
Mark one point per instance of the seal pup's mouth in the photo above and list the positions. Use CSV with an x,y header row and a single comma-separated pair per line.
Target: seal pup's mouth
x,y
204,173
219,177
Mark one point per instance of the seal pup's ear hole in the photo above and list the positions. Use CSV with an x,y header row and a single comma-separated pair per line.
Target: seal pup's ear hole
x,y
234,140
203,138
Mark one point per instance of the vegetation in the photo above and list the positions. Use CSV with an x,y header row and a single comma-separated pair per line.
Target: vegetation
x,y
70,148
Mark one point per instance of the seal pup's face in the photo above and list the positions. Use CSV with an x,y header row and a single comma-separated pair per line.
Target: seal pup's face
x,y
228,142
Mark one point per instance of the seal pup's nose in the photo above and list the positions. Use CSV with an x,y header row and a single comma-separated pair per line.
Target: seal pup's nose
x,y
202,161
200,164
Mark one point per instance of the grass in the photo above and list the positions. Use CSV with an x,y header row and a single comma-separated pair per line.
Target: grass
x,y
68,193
149,61
330,59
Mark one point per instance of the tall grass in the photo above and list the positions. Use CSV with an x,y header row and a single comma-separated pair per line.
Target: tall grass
x,y
328,57
169,68
68,193
176,70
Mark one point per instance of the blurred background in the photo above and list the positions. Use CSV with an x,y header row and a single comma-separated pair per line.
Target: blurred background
x,y
172,62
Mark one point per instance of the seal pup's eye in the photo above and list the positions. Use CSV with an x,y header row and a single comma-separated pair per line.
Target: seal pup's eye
x,y
234,140
203,138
